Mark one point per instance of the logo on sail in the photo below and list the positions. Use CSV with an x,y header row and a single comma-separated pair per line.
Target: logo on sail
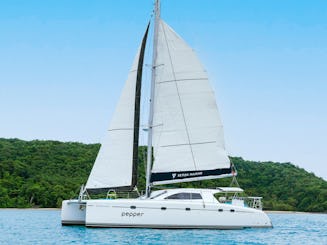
x,y
187,174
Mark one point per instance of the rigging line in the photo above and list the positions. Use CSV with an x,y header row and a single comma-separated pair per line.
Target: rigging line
x,y
179,97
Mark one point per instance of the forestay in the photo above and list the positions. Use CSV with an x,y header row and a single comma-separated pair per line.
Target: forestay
x,y
188,138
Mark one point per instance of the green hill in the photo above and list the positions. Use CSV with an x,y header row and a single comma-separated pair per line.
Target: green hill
x,y
43,173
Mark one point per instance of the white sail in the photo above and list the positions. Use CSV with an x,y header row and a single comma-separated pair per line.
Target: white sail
x,y
113,165
188,138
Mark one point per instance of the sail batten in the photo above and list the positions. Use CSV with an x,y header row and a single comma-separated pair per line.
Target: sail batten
x,y
185,79
188,136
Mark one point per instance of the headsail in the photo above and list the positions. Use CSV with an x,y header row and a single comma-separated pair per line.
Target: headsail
x,y
116,164
188,138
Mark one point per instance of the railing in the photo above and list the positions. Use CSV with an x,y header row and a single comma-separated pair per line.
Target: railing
x,y
254,202
251,202
112,194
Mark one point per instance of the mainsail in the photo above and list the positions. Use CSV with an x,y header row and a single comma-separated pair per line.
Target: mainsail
x,y
188,138
116,164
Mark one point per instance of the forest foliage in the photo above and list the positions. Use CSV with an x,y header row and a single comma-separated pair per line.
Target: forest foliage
x,y
43,173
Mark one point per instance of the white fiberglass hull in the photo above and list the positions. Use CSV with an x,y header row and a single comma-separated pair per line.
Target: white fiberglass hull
x,y
172,214
73,212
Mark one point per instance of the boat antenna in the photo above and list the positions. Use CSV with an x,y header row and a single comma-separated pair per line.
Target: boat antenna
x,y
153,75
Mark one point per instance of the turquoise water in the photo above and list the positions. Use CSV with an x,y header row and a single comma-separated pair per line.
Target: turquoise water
x,y
43,227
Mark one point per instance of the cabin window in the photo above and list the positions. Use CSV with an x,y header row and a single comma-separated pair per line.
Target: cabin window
x,y
159,194
196,196
185,196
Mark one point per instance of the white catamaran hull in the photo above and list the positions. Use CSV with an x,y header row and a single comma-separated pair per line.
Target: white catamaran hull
x,y
172,214
73,212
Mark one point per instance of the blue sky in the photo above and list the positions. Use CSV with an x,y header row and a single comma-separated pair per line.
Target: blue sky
x,y
63,65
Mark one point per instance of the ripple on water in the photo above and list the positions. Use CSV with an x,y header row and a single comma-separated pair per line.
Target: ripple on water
x,y
43,227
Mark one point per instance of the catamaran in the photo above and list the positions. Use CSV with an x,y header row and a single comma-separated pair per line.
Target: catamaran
x,y
186,135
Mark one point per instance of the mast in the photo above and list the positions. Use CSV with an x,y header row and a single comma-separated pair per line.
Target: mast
x,y
153,75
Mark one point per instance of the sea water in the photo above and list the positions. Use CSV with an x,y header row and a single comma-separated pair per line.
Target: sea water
x,y
43,227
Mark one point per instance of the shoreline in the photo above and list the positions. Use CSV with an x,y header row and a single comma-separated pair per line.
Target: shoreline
x,y
290,212
266,211
43,209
